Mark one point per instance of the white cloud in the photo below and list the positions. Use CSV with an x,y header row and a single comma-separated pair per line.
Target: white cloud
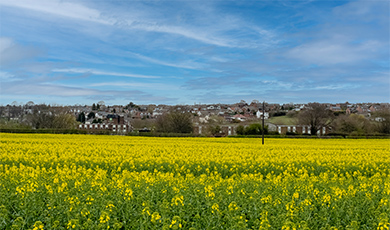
x,y
185,65
60,90
332,51
140,19
5,76
98,72
192,33
29,88
59,8
81,12
5,43
158,86
335,87
11,52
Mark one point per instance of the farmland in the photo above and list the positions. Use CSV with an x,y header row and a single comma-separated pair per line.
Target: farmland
x,y
116,182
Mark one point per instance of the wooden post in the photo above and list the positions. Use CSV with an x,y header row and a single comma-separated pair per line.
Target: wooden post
x,y
262,128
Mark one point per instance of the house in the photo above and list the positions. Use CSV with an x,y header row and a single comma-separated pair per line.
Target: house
x,y
239,117
98,116
156,114
136,115
204,119
226,130
259,114
300,129
335,108
94,128
115,119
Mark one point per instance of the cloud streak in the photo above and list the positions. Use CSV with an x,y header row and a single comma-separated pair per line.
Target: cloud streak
x,y
103,73
156,86
60,8
144,22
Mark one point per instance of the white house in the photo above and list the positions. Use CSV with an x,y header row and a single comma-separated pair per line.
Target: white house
x,y
259,114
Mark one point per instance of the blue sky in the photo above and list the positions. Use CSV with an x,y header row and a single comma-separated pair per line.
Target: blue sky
x,y
185,52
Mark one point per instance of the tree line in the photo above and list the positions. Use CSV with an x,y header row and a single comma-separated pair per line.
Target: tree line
x,y
315,115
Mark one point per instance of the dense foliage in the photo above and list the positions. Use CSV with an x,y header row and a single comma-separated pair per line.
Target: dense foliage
x,y
252,129
100,182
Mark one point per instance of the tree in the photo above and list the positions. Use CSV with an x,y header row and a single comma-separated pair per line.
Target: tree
x,y
352,124
81,117
316,115
214,124
214,129
30,104
93,106
130,105
383,117
40,120
240,130
91,115
47,119
175,122
253,129
64,121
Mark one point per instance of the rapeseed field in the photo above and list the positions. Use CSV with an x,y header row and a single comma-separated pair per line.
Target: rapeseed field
x,y
116,182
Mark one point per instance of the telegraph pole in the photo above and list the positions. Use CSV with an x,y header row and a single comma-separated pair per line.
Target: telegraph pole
x,y
262,128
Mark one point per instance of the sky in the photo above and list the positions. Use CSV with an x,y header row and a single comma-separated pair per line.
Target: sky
x,y
184,52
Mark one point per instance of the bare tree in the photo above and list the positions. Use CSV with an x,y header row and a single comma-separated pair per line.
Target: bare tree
x,y
383,116
354,123
175,122
316,115
47,117
64,121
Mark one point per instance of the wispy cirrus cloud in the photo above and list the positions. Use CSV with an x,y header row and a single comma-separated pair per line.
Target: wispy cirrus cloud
x,y
218,33
157,86
334,51
5,77
104,73
33,88
185,65
60,8
27,88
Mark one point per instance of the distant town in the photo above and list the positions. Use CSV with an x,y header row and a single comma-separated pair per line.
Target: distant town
x,y
241,118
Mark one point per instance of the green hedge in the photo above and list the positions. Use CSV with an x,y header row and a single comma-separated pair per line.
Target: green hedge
x,y
54,131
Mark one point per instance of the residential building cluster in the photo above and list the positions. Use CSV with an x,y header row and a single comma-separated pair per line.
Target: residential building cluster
x,y
121,118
